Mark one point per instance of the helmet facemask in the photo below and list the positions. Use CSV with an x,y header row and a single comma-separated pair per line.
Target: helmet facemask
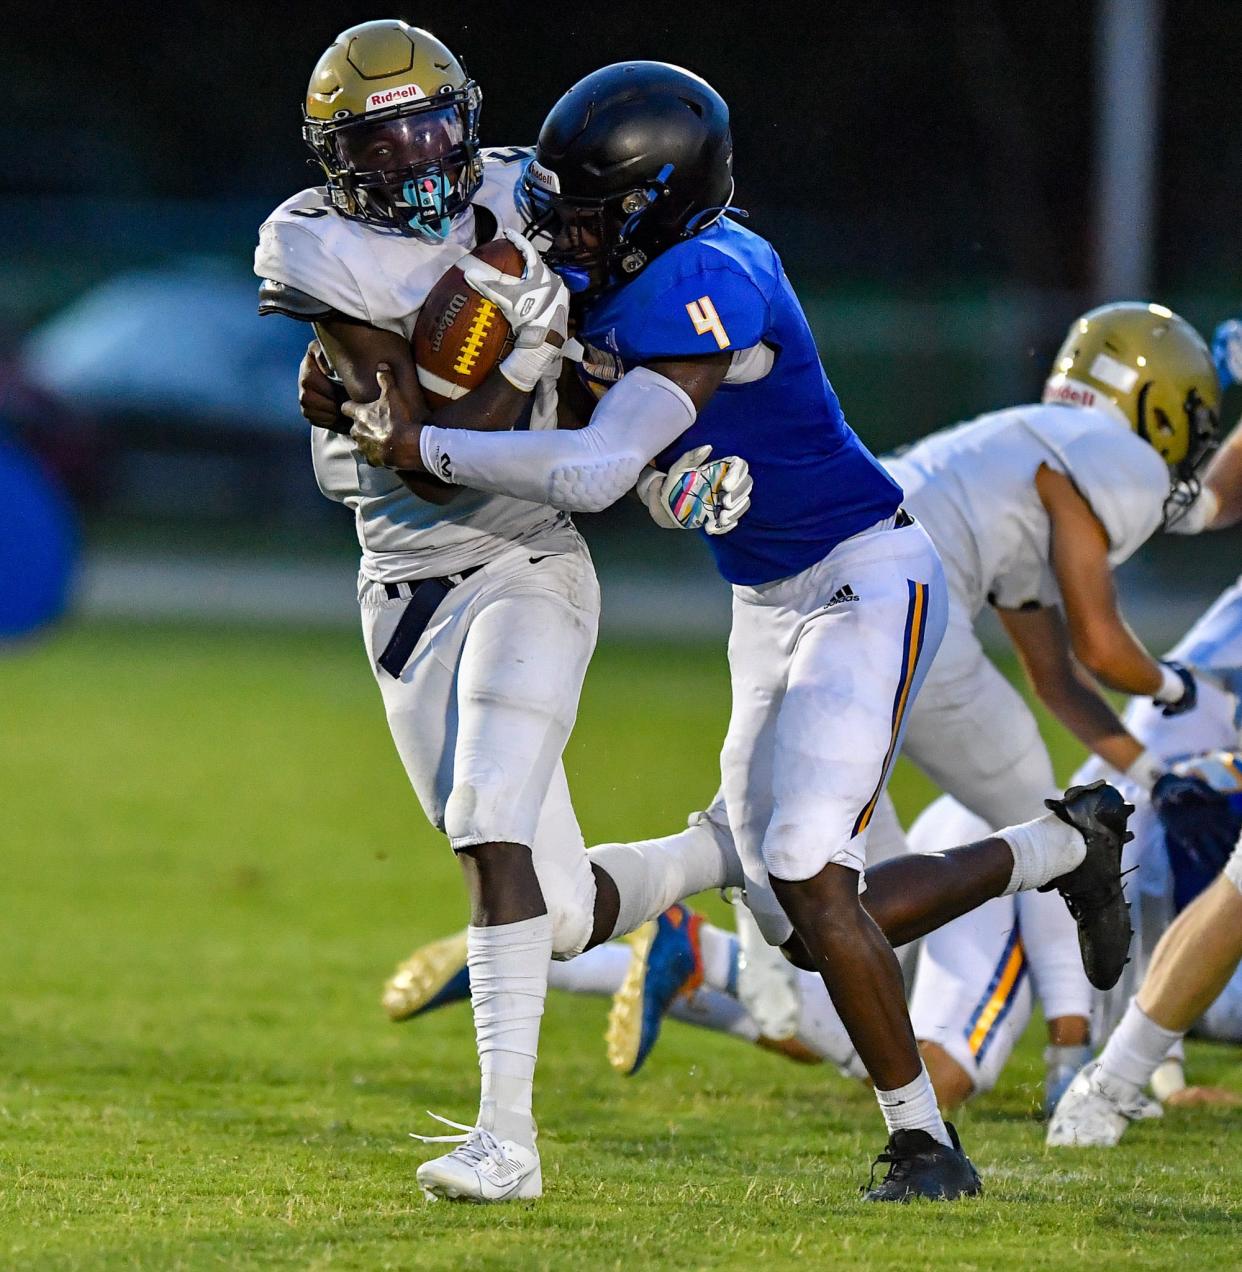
x,y
412,168
595,242
1202,422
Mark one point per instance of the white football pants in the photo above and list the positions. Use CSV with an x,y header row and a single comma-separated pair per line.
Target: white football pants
x,y
824,667
483,708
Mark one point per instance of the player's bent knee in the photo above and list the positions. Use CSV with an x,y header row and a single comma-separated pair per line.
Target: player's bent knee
x,y
569,895
797,849
488,809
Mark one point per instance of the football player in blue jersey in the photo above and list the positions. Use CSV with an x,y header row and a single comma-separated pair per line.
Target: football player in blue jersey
x,y
693,337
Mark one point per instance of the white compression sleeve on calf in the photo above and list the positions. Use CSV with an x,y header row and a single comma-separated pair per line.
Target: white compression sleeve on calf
x,y
508,984
653,873
599,971
581,470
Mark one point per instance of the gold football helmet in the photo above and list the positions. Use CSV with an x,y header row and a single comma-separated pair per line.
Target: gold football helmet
x,y
1151,368
393,119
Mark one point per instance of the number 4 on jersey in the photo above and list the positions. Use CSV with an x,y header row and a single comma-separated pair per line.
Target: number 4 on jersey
x,y
705,318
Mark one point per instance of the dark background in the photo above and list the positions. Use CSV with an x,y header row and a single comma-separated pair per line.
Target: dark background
x,y
928,172
931,144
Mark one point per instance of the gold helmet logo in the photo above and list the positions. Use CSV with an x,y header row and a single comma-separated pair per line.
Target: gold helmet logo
x,y
1150,370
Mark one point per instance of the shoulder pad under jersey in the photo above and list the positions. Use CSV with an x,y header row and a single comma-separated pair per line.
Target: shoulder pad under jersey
x,y
1120,475
306,246
276,297
692,300
501,191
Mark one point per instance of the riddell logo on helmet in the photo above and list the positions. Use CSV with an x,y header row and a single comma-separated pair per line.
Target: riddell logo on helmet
x,y
1070,393
543,177
394,96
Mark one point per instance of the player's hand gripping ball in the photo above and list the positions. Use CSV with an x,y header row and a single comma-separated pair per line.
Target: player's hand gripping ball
x,y
699,493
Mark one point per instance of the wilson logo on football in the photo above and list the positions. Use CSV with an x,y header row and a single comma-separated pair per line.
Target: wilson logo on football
x,y
394,96
446,319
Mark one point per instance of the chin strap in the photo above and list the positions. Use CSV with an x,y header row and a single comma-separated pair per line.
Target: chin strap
x,y
428,194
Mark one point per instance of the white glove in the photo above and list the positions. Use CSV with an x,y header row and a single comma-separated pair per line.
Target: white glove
x,y
536,307
697,492
1199,515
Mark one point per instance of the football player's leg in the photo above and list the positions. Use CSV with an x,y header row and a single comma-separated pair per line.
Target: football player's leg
x,y
437,974
851,679
421,707
975,736
1061,986
425,716
673,950
913,895
1222,1021
849,675
518,682
1193,962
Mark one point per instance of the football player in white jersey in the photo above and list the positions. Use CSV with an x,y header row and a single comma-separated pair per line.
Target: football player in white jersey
x,y
479,611
481,705
1030,509
1194,966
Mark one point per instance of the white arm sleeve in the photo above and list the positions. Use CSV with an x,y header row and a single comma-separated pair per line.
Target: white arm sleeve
x,y
583,470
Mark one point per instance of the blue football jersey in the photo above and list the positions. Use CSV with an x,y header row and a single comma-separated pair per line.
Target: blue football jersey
x,y
816,484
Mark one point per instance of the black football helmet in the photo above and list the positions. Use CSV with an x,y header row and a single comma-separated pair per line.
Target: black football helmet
x,y
633,159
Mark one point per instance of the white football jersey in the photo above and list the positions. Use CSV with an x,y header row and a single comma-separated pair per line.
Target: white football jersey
x,y
382,277
973,488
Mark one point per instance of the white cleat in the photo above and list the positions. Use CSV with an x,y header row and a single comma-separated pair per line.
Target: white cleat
x,y
481,1169
1088,1117
767,983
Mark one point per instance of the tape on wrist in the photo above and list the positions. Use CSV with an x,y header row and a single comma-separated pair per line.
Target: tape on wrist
x,y
1172,687
524,368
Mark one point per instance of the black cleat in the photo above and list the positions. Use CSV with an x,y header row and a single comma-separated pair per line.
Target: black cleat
x,y
1093,891
920,1166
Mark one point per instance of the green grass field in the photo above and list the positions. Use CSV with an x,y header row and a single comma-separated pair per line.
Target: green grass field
x,y
211,861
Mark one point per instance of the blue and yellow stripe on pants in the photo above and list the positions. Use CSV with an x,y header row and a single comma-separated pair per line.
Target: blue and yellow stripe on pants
x,y
998,999
911,650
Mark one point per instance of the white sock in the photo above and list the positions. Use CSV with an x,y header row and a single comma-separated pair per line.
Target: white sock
x,y
598,971
652,874
719,950
508,985
913,1108
1043,850
1133,1054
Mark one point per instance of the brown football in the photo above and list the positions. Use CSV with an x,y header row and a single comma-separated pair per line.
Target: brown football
x,y
459,336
